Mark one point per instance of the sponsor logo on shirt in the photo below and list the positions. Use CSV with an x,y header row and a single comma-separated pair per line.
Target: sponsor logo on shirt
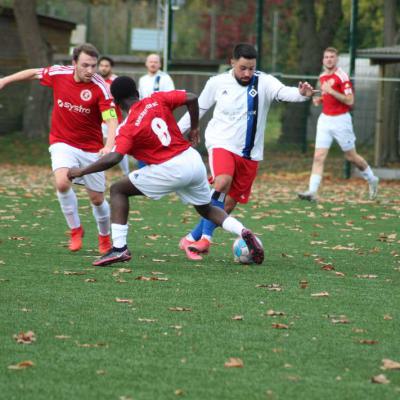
x,y
86,94
73,107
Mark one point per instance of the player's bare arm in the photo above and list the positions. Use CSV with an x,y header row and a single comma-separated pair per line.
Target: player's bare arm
x,y
347,99
104,163
112,125
25,75
192,105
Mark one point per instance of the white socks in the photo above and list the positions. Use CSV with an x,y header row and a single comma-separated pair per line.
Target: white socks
x,y
69,207
119,233
101,214
315,181
232,225
367,174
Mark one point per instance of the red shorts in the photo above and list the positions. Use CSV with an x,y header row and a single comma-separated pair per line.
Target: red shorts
x,y
242,170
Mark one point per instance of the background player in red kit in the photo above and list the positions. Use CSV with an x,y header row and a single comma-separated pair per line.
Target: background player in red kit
x,y
105,68
150,133
82,101
335,122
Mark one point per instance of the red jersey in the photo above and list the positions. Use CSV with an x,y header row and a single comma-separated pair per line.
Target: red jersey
x,y
76,117
109,81
341,83
150,132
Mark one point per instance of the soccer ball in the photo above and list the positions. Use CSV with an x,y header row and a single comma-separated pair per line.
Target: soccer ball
x,y
241,253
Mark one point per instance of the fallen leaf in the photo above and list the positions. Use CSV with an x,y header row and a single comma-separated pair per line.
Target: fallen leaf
x,y
340,321
179,309
328,267
157,260
124,270
22,365
274,287
380,379
368,341
92,345
25,337
62,337
237,318
234,362
273,313
367,276
303,284
74,273
280,326
147,320
179,392
128,301
337,273
90,280
387,317
390,364
101,372
150,278
320,294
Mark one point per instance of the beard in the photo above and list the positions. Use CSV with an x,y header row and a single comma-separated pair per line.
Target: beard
x,y
242,82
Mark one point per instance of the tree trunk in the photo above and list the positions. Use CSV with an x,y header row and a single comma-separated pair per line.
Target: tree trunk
x,y
312,42
38,53
391,90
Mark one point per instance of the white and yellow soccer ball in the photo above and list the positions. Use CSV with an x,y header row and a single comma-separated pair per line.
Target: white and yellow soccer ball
x,y
241,253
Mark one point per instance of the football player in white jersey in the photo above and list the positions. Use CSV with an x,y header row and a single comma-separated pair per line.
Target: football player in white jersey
x,y
235,135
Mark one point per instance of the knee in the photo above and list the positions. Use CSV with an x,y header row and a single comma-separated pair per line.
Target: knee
x,y
63,185
222,184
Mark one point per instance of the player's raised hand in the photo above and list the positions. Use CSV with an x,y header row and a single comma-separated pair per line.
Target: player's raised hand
x,y
194,136
306,89
74,173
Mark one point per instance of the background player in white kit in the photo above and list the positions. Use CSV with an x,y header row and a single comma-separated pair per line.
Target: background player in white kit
x,y
335,123
155,80
82,101
105,68
150,133
235,135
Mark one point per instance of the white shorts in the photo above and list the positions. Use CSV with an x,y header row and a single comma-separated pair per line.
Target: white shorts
x,y
184,174
65,156
338,127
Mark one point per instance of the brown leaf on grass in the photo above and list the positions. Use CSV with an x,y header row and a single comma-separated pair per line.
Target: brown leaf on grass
x,y
124,270
368,341
128,301
358,330
74,273
337,273
234,362
25,337
148,320
340,247
92,345
320,294
390,364
90,280
17,238
179,309
157,273
273,313
237,318
62,337
387,317
274,287
367,276
303,284
280,326
22,365
150,278
328,267
153,236
380,379
158,260
120,280
179,392
340,321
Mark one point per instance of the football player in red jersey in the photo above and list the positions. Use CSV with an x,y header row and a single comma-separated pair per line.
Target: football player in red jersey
x,y
150,133
335,123
82,101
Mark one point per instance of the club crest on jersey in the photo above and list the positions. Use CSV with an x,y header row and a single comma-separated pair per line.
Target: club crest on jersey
x,y
253,92
86,94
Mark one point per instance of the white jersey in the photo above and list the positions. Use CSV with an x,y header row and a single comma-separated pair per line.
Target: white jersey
x,y
160,82
240,114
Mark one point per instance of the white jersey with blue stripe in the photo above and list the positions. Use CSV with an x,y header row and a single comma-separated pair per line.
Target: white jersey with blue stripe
x,y
240,114
160,82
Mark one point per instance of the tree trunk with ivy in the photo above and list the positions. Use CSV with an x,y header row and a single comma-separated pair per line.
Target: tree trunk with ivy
x,y
38,54
314,35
